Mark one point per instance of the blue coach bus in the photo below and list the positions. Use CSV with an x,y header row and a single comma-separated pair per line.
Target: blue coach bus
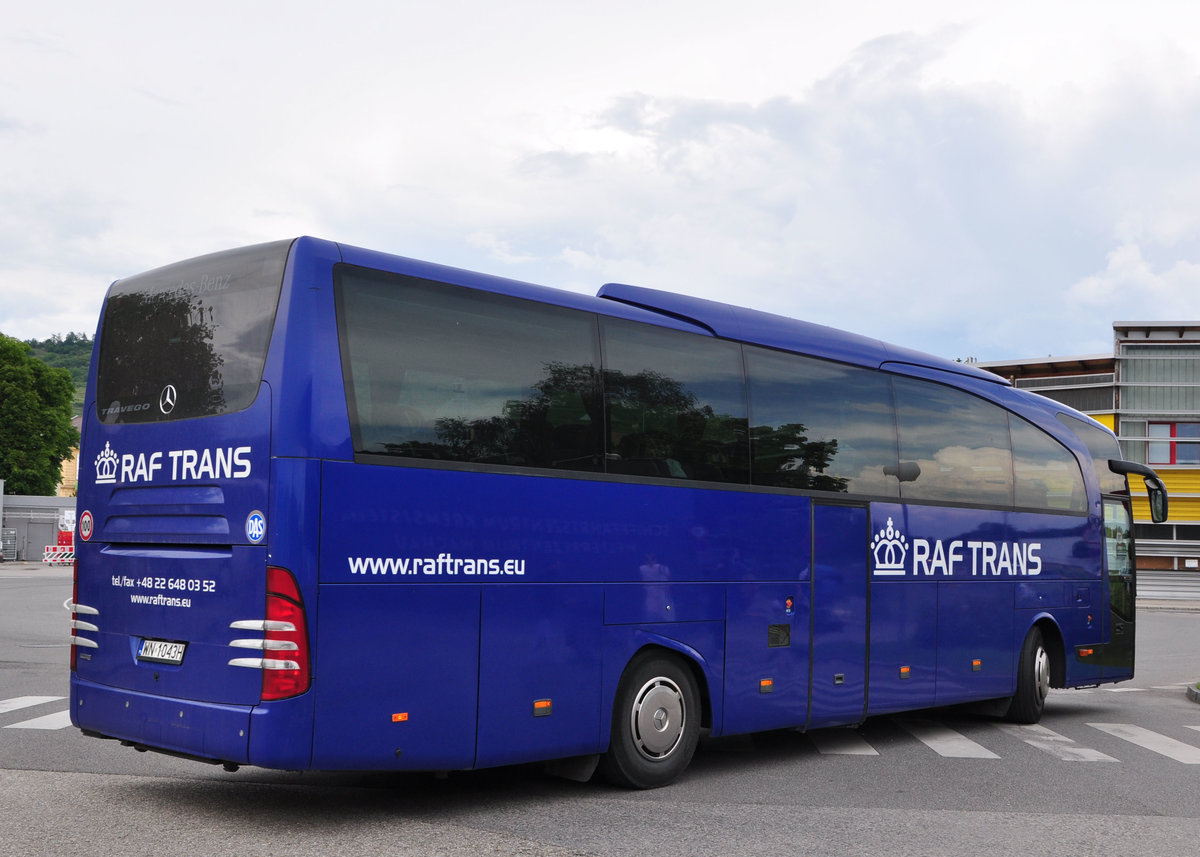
x,y
345,510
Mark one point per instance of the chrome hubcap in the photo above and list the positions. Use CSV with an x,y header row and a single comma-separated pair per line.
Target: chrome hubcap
x,y
657,718
1041,673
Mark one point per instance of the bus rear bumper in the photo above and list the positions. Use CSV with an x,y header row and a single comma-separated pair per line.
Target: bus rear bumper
x,y
200,730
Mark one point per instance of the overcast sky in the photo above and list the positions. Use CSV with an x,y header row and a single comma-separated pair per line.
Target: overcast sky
x,y
988,180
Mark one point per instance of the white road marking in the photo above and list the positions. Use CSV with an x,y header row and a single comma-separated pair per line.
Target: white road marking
x,y
1051,742
1152,741
58,720
19,702
945,741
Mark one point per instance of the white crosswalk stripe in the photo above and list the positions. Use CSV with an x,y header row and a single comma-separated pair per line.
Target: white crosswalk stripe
x,y
19,702
1059,746
945,741
57,720
1152,741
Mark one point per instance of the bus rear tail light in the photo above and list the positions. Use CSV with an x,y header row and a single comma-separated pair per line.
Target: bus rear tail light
x,y
285,607
284,644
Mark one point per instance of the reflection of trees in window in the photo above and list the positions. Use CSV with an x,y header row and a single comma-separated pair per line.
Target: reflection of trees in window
x,y
555,426
820,425
151,340
786,458
657,427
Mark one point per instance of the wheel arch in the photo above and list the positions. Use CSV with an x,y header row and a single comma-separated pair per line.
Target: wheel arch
x,y
1052,639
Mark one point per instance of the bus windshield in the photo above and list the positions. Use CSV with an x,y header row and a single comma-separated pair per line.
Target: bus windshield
x,y
189,340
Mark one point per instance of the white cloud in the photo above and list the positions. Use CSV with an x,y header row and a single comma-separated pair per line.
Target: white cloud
x,y
1129,281
949,176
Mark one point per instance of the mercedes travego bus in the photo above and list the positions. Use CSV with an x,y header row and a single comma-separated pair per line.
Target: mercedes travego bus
x,y
343,510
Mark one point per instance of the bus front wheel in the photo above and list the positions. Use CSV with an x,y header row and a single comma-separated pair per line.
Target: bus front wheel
x,y
1033,680
656,724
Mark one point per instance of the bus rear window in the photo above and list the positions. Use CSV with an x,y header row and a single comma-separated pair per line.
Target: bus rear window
x,y
190,339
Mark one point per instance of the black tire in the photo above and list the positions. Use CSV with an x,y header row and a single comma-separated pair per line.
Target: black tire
x,y
1033,681
655,724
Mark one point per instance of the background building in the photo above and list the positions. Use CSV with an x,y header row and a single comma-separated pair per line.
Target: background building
x,y
68,486
29,524
1148,392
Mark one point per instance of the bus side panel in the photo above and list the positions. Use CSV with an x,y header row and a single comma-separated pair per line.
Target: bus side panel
x,y
903,647
767,656
309,406
281,733
1068,588
391,529
539,677
422,526
396,686
839,615
975,634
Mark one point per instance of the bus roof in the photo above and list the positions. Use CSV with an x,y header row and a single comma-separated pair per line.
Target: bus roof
x,y
724,320
777,331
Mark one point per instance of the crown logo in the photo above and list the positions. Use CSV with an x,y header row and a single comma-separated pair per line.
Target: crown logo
x,y
106,466
890,549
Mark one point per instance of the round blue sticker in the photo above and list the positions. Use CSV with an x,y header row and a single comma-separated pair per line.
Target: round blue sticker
x,y
256,526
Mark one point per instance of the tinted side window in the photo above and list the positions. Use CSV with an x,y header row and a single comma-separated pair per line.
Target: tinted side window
x,y
676,404
440,372
820,425
1102,446
959,442
1046,473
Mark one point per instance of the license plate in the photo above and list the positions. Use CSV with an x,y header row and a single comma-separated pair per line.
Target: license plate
x,y
161,651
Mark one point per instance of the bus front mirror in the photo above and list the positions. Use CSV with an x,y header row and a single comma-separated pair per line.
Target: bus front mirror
x,y
1156,492
1157,495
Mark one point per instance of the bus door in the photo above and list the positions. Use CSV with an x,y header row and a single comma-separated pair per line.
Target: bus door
x,y
1122,587
838,673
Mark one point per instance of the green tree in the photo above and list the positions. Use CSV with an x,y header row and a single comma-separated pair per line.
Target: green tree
x,y
35,420
72,352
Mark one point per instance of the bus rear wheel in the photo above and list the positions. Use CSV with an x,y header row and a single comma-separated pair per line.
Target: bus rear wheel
x,y
655,725
1033,680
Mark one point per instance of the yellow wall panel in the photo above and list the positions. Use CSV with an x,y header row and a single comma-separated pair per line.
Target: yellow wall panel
x,y
1179,510
1180,481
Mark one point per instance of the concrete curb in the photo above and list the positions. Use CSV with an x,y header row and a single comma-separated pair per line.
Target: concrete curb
x,y
1193,693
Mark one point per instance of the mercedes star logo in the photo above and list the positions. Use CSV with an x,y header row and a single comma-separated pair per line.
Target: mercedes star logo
x,y
166,399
